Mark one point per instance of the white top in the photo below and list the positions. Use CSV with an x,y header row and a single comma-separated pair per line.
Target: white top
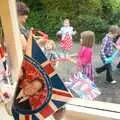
x,y
64,30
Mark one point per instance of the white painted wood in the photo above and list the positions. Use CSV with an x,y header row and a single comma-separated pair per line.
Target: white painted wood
x,y
95,104
78,112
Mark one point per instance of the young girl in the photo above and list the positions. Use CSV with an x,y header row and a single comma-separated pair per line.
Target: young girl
x,y
50,52
84,60
66,33
81,82
84,56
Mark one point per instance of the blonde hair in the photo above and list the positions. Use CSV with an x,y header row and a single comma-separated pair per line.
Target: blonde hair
x,y
88,38
66,20
50,42
114,29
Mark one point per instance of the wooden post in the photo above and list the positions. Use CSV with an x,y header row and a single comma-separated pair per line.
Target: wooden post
x,y
11,32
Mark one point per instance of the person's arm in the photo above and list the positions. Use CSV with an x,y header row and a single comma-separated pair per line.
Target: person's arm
x,y
114,45
68,58
60,31
73,31
111,59
73,61
115,54
73,55
28,50
23,42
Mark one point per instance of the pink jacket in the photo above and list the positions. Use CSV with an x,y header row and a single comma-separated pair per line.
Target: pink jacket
x,y
84,56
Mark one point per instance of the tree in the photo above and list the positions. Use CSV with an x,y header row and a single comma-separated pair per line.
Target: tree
x,y
95,15
107,9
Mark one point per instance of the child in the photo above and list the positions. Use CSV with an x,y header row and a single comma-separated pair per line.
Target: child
x,y
82,81
50,52
106,53
84,56
85,53
117,44
66,33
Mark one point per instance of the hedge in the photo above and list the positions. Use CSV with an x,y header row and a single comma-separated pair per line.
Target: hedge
x,y
51,23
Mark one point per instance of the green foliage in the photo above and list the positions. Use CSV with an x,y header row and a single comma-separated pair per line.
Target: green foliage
x,y
50,22
95,15
96,24
34,4
115,19
107,9
115,5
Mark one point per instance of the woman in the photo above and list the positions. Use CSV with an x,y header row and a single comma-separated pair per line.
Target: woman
x,y
26,35
23,11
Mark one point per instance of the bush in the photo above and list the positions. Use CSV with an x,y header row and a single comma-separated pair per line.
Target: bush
x,y
96,24
115,19
50,22
95,15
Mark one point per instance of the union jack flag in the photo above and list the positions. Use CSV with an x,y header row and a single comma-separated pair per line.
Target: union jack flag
x,y
83,86
57,94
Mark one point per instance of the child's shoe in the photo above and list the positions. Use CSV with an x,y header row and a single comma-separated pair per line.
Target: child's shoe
x,y
113,82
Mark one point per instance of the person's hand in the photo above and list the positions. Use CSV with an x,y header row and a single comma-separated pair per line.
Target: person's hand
x,y
31,31
74,32
71,59
57,34
118,47
30,34
108,60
